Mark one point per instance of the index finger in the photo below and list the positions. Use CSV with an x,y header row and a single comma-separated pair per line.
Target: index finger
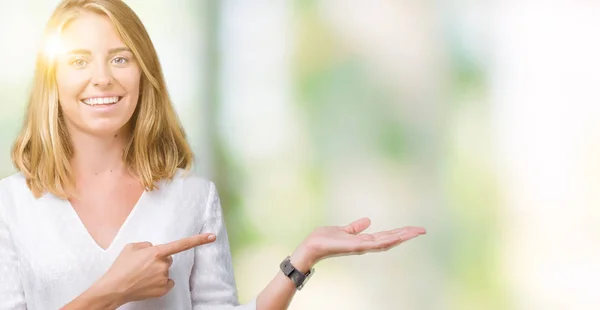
x,y
177,246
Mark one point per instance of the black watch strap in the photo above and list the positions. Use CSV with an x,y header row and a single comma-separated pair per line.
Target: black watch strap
x,y
294,274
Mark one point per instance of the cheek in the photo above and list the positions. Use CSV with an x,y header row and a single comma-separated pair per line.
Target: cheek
x,y
130,82
69,85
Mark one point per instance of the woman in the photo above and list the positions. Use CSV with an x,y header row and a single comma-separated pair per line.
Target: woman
x,y
104,213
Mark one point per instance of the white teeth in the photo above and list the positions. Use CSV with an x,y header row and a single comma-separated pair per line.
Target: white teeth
x,y
100,100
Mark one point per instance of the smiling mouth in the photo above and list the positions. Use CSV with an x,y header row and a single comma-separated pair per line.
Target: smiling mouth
x,y
101,101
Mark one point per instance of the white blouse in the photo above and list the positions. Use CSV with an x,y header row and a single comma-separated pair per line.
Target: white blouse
x,y
47,257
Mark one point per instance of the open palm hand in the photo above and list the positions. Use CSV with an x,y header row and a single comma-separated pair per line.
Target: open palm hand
x,y
329,241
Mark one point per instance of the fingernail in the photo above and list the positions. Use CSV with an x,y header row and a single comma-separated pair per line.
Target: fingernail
x,y
211,237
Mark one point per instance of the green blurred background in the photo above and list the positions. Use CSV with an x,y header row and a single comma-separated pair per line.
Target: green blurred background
x,y
475,119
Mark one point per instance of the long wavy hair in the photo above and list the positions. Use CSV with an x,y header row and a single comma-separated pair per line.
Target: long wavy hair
x,y
157,146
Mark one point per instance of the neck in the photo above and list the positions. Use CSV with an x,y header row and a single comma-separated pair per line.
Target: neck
x,y
98,155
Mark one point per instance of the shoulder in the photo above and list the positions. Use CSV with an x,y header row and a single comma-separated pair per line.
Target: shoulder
x,y
187,185
13,189
12,180
14,185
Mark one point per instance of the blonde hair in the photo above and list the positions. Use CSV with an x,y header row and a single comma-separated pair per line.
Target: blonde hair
x,y
157,146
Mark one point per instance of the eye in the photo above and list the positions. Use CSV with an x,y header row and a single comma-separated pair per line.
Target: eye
x,y
120,60
78,62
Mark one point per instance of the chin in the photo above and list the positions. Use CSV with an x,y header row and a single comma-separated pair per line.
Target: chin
x,y
106,129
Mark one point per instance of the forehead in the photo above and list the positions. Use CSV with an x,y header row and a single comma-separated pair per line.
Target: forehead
x,y
91,31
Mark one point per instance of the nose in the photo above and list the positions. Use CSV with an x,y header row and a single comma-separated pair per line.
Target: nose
x,y
101,75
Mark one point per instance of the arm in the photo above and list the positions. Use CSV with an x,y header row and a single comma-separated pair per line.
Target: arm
x,y
279,292
212,282
97,297
141,271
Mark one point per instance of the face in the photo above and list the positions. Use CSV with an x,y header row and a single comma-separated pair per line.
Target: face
x,y
98,77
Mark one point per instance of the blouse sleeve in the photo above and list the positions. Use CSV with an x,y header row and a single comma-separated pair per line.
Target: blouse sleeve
x,y
11,291
212,281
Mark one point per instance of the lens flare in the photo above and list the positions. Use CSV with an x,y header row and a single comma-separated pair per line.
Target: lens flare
x,y
53,47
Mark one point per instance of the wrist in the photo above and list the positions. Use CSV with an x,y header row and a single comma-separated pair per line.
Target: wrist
x,y
303,258
102,294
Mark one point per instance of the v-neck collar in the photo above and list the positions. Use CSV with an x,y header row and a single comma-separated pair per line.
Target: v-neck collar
x,y
121,230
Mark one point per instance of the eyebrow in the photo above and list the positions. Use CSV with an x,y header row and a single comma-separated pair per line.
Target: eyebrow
x,y
110,52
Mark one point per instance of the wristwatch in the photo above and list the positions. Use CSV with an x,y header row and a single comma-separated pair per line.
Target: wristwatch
x,y
294,274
